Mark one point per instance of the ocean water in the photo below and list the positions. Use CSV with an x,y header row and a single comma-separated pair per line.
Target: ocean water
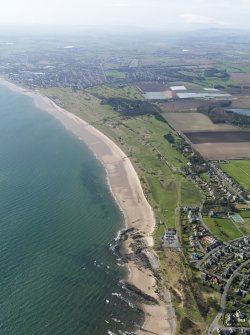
x,y
58,221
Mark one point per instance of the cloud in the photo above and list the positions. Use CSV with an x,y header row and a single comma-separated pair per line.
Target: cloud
x,y
193,18
200,19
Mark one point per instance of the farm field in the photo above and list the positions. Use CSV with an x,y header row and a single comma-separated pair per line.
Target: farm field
x,y
224,229
218,136
217,151
216,145
240,171
241,102
194,122
179,106
241,78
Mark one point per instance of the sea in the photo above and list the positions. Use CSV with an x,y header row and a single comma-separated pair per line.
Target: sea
x,y
60,272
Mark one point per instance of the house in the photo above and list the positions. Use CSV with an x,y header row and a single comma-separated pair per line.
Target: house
x,y
240,316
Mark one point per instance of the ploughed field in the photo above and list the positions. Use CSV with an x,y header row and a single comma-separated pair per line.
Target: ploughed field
x,y
241,78
187,122
216,145
198,137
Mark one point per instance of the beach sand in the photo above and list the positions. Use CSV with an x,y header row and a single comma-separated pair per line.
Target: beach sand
x,y
127,191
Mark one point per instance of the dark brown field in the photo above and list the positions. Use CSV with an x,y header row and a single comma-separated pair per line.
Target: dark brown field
x,y
218,137
216,145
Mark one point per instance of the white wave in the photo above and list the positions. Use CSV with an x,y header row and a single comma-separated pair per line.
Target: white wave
x,y
116,294
116,320
121,264
118,236
128,302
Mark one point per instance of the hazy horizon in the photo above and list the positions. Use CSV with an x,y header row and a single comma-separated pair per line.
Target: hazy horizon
x,y
151,14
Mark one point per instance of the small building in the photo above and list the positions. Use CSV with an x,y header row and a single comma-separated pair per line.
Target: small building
x,y
170,238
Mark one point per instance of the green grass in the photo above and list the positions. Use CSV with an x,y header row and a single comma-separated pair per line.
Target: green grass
x,y
142,137
213,81
205,176
230,68
245,214
108,91
245,227
240,171
82,104
189,194
197,77
153,131
115,74
233,69
224,229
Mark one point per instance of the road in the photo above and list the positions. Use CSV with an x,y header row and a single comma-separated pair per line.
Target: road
x,y
198,265
215,324
228,284
222,176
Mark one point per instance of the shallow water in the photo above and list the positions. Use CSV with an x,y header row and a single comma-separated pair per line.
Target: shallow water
x,y
58,220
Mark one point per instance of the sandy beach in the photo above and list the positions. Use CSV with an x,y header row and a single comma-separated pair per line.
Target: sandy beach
x,y
127,191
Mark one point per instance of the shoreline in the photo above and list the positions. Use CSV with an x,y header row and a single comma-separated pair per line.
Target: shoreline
x,y
126,189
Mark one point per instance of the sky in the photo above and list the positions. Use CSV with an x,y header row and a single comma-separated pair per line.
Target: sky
x,y
157,14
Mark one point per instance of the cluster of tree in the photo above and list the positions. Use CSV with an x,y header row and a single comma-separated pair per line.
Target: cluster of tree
x,y
220,115
196,159
219,206
170,138
238,119
129,107
213,72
